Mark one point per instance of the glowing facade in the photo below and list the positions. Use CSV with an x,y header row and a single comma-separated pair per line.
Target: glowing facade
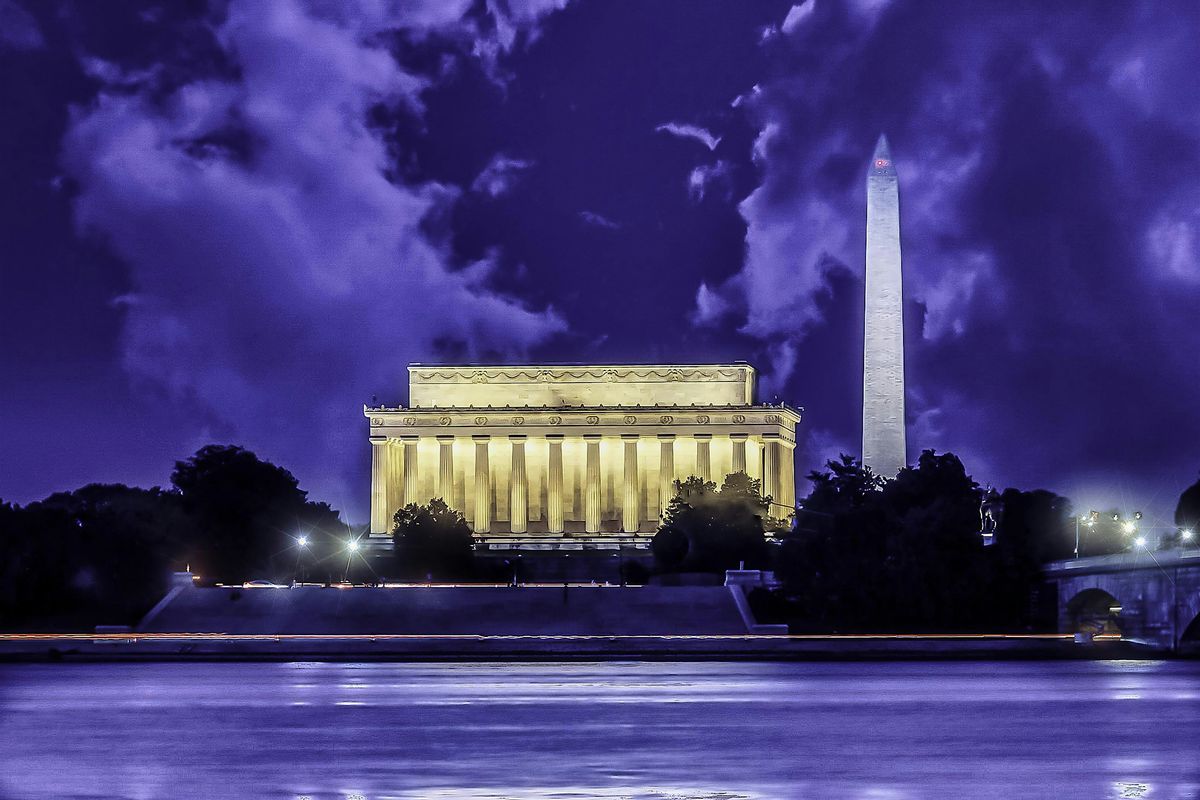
x,y
883,343
563,456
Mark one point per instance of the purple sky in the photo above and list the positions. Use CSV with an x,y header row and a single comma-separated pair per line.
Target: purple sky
x,y
238,222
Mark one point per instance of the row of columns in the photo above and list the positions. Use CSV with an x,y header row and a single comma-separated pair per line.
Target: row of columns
x,y
389,460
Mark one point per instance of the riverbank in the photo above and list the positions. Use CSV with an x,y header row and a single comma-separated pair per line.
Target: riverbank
x,y
153,647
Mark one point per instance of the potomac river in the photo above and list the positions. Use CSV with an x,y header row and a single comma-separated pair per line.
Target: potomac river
x,y
883,731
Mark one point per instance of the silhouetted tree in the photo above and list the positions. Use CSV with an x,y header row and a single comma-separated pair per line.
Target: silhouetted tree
x,y
99,554
247,514
103,553
902,554
433,540
1187,517
1187,512
707,529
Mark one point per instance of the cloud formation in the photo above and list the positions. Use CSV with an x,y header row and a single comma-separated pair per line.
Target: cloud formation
x,y
281,275
693,132
598,220
500,175
1037,259
18,29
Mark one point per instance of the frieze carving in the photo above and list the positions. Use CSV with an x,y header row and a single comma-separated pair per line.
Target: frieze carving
x,y
444,421
666,419
593,420
606,374
738,419
481,420
630,419
518,420
556,420
702,419
376,422
410,421
772,418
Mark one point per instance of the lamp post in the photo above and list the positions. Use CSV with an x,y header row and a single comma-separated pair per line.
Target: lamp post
x,y
1130,526
351,550
301,548
1090,521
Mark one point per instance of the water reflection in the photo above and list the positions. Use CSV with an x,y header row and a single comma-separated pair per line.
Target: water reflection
x,y
614,730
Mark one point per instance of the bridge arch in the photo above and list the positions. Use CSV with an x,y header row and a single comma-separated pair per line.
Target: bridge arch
x,y
1189,639
1095,611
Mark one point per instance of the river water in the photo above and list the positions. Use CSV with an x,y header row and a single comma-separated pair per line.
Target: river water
x,y
882,731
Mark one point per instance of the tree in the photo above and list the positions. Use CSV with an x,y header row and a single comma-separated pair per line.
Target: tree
x,y
433,540
1187,512
99,554
707,529
1035,527
1187,517
847,485
904,554
247,515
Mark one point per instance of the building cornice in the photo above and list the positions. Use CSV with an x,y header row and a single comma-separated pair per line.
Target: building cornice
x,y
682,418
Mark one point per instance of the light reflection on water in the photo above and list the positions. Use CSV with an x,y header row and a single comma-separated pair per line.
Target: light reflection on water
x,y
665,731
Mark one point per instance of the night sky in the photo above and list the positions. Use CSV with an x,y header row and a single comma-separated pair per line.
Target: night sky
x,y
239,222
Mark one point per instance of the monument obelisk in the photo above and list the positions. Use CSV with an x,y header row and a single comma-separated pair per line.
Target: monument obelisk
x,y
883,342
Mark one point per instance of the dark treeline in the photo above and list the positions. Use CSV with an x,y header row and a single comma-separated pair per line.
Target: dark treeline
x,y
908,554
104,553
864,554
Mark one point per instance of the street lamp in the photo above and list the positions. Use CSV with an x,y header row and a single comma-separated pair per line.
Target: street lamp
x,y
1187,534
1130,526
352,545
302,541
1090,520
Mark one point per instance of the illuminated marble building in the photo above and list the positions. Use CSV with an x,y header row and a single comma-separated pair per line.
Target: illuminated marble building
x,y
573,456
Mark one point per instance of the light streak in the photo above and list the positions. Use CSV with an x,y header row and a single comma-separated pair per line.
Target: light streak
x,y
372,637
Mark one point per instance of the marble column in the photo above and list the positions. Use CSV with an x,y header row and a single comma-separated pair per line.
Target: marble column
x,y
666,470
771,467
630,511
483,485
518,509
379,483
704,456
445,487
788,479
554,484
591,496
395,487
739,451
411,487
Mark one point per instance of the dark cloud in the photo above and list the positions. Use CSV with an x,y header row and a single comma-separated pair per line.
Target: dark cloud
x,y
268,209
1049,221
18,29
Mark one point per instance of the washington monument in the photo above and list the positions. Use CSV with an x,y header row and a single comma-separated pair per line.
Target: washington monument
x,y
883,343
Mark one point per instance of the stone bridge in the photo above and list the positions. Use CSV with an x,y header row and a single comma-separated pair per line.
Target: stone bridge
x,y
1152,597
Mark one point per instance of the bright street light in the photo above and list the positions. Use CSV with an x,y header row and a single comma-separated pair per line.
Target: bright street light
x,y
1129,526
1187,534
352,546
1140,541
302,541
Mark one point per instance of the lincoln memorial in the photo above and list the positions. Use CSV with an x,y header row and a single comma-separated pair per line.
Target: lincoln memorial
x,y
545,455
